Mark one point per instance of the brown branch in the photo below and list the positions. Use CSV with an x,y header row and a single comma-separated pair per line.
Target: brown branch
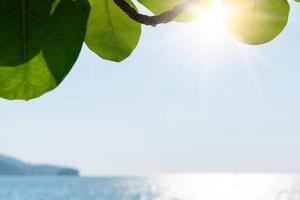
x,y
165,17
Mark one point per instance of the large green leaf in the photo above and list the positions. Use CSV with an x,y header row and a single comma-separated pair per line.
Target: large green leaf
x,y
256,21
40,41
111,34
197,10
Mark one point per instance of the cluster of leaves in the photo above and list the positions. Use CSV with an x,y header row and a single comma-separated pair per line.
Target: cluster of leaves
x,y
40,40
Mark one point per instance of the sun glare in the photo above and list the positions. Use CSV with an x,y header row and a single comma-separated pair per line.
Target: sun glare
x,y
206,43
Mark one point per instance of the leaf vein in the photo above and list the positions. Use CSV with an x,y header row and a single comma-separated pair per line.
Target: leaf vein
x,y
113,35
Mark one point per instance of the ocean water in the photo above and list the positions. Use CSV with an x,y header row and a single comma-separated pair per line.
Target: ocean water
x,y
168,187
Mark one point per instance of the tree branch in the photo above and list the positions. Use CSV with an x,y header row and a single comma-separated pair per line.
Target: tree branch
x,y
165,17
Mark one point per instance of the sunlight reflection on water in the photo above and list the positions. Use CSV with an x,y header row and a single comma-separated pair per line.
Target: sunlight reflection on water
x,y
221,186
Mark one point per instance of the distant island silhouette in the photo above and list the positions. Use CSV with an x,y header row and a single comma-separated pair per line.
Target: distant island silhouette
x,y
12,166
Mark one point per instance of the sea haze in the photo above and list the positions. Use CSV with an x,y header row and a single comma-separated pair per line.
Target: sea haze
x,y
168,187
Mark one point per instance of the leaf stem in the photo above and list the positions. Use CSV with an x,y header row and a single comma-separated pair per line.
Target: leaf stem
x,y
163,18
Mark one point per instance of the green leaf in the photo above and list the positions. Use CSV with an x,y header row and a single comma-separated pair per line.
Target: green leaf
x,y
256,21
39,44
196,11
111,34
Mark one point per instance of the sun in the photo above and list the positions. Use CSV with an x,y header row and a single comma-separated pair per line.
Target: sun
x,y
209,30
204,42
211,25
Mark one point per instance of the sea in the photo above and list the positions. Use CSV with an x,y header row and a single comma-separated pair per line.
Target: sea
x,y
162,187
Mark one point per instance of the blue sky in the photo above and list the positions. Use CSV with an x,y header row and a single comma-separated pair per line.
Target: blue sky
x,y
189,99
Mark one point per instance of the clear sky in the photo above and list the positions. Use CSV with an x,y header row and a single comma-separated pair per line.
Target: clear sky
x,y
189,99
